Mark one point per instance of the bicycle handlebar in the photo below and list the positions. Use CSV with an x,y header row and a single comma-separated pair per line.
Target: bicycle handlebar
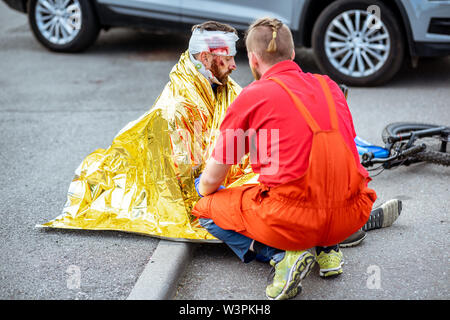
x,y
369,160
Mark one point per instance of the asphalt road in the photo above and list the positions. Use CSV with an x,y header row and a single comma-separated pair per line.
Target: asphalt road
x,y
57,108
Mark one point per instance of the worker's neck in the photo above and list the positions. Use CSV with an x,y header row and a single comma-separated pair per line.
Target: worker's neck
x,y
262,69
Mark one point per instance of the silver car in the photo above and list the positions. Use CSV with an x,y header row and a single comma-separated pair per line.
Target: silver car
x,y
355,42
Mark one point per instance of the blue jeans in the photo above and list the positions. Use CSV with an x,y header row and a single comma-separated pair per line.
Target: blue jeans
x,y
240,244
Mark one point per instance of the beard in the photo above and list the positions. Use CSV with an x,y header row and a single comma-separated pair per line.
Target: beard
x,y
222,76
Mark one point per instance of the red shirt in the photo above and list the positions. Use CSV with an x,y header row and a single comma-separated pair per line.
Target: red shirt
x,y
264,121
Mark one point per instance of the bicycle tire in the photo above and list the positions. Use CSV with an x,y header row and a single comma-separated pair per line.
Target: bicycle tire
x,y
393,129
436,157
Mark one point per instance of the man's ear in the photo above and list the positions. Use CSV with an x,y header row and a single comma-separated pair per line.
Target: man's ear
x,y
293,54
253,59
206,59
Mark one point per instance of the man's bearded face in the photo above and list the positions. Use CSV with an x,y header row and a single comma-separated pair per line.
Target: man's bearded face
x,y
222,66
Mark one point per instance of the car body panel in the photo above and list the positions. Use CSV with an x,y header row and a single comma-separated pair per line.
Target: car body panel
x,y
419,14
241,13
169,10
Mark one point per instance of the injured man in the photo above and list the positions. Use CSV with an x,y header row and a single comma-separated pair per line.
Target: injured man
x,y
144,182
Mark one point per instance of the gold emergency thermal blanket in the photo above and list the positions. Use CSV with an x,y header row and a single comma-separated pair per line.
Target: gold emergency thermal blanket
x,y
144,182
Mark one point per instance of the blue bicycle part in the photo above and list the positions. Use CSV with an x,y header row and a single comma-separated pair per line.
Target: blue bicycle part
x,y
366,147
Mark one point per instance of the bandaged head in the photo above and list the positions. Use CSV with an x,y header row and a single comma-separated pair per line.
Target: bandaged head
x,y
219,43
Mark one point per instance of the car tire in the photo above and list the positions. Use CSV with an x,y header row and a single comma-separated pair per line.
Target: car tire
x,y
369,56
72,28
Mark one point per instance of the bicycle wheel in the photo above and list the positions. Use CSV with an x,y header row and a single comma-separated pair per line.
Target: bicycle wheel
x,y
433,152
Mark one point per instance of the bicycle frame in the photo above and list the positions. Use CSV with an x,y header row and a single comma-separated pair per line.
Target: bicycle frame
x,y
365,147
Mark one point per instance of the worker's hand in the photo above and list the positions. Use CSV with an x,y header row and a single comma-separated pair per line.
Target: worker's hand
x,y
197,185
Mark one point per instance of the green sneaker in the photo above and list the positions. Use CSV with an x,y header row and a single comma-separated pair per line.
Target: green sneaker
x,y
330,263
289,272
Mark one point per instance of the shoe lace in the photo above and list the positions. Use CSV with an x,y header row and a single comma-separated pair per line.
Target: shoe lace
x,y
331,257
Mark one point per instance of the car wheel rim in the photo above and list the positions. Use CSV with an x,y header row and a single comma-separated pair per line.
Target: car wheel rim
x,y
58,21
357,43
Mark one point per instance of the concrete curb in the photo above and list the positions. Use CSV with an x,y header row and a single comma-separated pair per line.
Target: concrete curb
x,y
160,277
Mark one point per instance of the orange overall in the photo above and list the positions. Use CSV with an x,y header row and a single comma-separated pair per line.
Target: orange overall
x,y
324,206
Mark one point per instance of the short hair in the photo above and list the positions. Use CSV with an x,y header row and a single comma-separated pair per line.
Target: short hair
x,y
214,26
271,39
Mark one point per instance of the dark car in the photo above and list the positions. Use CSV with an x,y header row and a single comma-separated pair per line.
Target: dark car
x,y
356,42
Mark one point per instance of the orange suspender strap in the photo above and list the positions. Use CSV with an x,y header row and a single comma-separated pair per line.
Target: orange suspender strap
x,y
306,114
329,97
300,106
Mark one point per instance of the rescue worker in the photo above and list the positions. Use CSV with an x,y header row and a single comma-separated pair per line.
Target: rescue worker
x,y
312,189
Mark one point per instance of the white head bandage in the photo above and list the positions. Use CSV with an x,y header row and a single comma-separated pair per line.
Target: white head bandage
x,y
217,42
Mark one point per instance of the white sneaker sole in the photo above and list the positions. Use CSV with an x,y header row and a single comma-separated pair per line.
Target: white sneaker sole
x,y
384,216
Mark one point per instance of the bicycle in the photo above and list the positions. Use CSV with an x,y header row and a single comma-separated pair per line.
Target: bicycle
x,y
406,143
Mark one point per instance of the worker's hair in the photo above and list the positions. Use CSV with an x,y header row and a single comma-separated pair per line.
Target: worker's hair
x,y
214,26
271,39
